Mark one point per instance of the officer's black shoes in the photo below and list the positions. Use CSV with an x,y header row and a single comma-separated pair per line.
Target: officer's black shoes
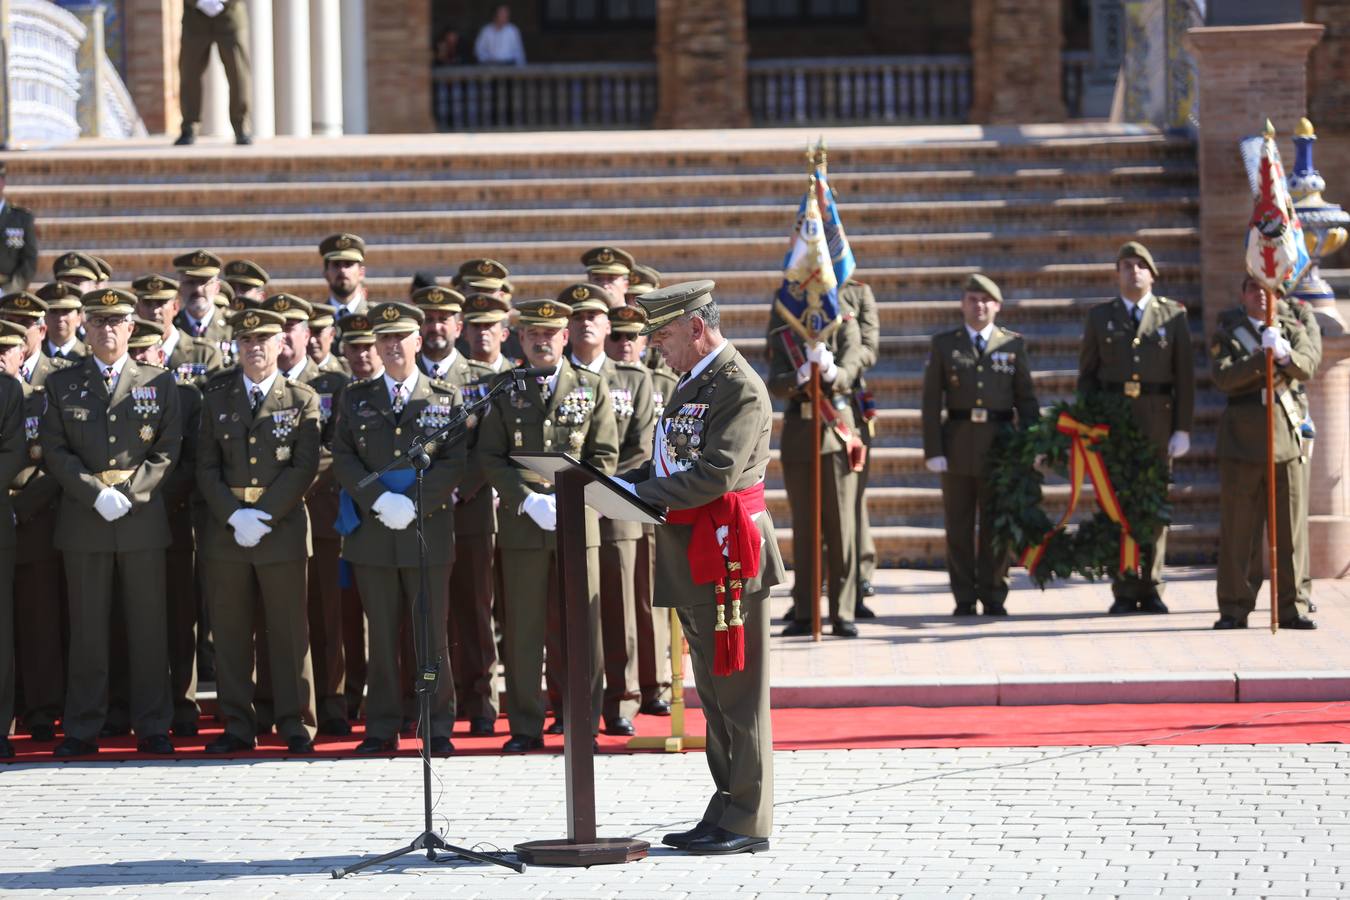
x,y
73,746
795,629
866,589
995,609
373,745
184,729
844,629
6,748
1152,604
1299,623
620,725
335,727
720,842
228,743
299,744
555,727
680,839
186,137
156,743
1123,605
482,726
42,733
243,138
1228,623
964,609
862,611
654,707
522,743
442,746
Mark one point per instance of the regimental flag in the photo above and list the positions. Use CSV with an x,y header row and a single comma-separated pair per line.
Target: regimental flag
x,y
808,299
1276,253
841,254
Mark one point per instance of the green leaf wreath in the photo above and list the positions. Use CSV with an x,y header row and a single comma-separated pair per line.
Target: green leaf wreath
x,y
1091,548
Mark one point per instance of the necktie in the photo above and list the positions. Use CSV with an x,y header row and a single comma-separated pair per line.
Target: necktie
x,y
1137,314
109,375
545,392
255,397
27,374
979,345
398,398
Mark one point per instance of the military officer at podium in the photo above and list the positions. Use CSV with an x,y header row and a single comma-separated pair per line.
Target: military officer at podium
x,y
566,411
1139,346
977,381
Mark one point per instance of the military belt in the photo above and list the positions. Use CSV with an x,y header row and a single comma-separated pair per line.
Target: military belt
x,y
979,415
1134,389
114,477
248,494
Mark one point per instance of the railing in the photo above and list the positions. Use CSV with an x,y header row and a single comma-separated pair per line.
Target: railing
x,y
1074,75
548,96
44,75
862,89
120,118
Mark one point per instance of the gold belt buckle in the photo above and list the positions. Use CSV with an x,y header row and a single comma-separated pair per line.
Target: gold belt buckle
x,y
114,477
1132,389
979,415
248,494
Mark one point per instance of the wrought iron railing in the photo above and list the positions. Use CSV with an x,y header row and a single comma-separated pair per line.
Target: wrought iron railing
x,y
862,89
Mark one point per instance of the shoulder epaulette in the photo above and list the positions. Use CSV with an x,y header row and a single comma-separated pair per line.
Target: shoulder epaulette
x,y
218,381
630,367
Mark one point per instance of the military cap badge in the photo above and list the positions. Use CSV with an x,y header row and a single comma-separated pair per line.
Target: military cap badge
x,y
108,299
154,285
22,302
604,257
359,323
281,304
390,313
485,268
200,258
581,292
436,295
343,242
546,311
251,320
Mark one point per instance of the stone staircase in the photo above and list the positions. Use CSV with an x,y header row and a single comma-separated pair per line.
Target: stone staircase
x,y
1042,216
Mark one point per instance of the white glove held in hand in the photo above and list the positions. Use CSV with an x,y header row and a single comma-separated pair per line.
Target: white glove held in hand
x,y
112,504
249,527
211,7
936,463
1272,339
1179,444
821,355
803,373
395,511
542,508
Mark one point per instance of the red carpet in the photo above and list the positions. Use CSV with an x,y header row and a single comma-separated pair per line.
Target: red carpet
x,y
886,727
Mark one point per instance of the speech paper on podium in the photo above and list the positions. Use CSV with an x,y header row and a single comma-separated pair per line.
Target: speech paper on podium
x,y
603,494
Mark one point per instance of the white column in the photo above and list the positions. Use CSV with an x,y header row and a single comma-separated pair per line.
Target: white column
x,y
264,111
215,99
325,66
290,21
355,119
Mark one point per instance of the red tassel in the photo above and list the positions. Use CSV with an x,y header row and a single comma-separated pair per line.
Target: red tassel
x,y
736,630
722,653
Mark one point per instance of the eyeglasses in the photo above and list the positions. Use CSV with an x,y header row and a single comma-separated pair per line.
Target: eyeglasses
x,y
105,321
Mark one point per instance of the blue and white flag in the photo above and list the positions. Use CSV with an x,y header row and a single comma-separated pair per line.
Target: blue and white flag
x,y
808,299
841,254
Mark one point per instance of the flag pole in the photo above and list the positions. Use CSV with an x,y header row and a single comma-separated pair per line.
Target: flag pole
x,y
816,569
1272,508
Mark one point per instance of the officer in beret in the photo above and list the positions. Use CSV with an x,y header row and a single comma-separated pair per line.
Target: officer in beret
x,y
17,467
19,251
979,376
322,334
30,311
568,411
610,268
1139,346
111,434
79,270
247,279
344,268
259,454
65,316
199,284
377,423
190,359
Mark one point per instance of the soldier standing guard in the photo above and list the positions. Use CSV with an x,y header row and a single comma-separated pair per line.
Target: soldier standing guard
x,y
223,23
857,298
377,423
1139,345
14,456
568,411
111,433
980,376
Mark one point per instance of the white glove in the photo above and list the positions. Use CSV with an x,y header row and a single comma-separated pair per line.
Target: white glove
x,y
803,373
395,511
1272,339
627,486
1179,444
936,463
211,7
112,504
249,527
821,355
543,508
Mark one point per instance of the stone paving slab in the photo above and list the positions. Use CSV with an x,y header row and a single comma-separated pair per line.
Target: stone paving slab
x,y
1167,821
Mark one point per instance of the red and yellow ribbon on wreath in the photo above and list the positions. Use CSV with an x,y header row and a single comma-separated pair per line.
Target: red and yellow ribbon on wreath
x,y
1083,458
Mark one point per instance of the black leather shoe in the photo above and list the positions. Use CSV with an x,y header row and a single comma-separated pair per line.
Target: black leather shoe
x,y
373,745
299,744
74,747
1152,604
1299,623
795,629
243,138
654,707
6,748
335,727
555,727
42,733
442,746
865,588
680,839
1228,623
184,729
1312,607
844,629
995,609
620,725
964,609
482,726
720,842
156,743
862,611
520,743
228,743
114,731
186,137
1123,605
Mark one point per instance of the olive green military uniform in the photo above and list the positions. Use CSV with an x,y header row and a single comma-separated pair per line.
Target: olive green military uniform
x,y
1152,363
1303,312
575,418
18,246
980,394
183,505
228,31
368,435
653,627
215,333
838,481
13,457
193,360
1238,364
128,441
858,298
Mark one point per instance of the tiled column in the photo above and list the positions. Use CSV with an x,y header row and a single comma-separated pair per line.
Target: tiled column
x,y
701,52
1015,54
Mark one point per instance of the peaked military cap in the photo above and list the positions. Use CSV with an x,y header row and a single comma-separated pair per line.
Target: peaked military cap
x,y
246,272
155,288
1135,249
356,328
321,317
396,318
111,301
289,307
485,309
105,272
344,247
224,297
483,274
607,261
545,313
437,297
198,264
583,297
76,265
985,285
145,334
239,302
641,280
665,305
60,295
12,334
22,303
257,321
627,320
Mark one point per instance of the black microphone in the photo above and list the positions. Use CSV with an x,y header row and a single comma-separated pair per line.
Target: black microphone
x,y
534,373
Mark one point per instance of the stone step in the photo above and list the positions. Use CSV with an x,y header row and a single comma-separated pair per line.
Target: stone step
x,y
1060,224
1134,182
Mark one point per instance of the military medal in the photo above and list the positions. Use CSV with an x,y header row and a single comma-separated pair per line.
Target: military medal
x,y
147,433
325,407
576,439
283,453
520,438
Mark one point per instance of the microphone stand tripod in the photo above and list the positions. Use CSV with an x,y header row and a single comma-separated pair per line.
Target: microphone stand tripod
x,y
428,669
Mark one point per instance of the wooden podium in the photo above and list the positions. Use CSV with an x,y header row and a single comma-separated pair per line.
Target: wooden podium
x,y
579,484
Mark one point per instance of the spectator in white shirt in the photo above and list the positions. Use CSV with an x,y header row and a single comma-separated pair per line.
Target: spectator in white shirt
x,y
499,42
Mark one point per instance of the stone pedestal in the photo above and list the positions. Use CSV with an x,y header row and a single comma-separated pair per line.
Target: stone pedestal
x,y
1015,49
1246,74
701,51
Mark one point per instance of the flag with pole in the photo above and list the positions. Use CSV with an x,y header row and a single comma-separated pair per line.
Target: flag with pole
x,y
808,299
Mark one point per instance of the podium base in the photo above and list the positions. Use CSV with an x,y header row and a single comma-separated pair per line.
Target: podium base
x,y
600,852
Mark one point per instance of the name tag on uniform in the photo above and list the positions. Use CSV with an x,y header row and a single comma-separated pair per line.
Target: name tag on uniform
x,y
979,415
